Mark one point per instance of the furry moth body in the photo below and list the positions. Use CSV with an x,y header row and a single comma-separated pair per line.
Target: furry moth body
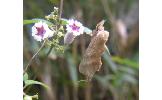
x,y
91,61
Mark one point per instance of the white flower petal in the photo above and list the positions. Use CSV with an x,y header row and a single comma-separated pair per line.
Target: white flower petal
x,y
48,33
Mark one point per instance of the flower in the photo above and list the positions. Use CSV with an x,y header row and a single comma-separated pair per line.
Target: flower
x,y
40,31
74,28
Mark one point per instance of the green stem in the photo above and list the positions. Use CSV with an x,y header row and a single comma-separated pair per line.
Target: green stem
x,y
29,63
49,50
61,7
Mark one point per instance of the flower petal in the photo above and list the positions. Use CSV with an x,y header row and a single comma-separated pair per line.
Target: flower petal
x,y
40,31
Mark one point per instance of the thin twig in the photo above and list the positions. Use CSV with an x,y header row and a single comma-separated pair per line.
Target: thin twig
x,y
60,13
26,68
61,7
49,51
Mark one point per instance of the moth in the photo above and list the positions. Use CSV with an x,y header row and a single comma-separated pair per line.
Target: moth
x,y
91,61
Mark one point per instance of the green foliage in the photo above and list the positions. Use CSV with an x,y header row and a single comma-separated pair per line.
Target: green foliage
x,y
109,61
82,83
125,61
25,77
72,68
32,82
27,97
35,20
87,30
29,82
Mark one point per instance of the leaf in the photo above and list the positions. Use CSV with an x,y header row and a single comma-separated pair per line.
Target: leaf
x,y
109,61
72,68
32,82
82,83
88,31
125,61
64,21
128,70
129,78
107,49
104,80
25,77
29,22
35,20
27,97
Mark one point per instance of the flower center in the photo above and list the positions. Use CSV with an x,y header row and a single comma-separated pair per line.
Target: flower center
x,y
74,27
40,31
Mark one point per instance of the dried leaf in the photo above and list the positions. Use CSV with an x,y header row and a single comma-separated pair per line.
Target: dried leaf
x,y
91,61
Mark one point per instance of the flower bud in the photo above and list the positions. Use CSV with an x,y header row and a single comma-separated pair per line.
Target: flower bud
x,y
69,38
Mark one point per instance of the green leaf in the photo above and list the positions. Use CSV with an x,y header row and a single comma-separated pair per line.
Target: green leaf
x,y
125,61
27,97
35,20
72,68
82,83
107,50
87,31
109,61
129,78
104,79
25,77
29,21
32,82
128,70
64,21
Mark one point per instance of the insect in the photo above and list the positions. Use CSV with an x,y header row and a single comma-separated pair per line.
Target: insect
x,y
91,61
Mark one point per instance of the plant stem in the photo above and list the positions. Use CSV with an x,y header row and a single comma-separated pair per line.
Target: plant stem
x,y
49,51
61,7
60,13
29,63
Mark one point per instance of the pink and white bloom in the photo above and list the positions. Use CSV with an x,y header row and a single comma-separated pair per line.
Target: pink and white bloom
x,y
40,31
73,28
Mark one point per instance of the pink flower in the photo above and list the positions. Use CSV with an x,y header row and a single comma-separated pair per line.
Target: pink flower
x,y
40,31
74,28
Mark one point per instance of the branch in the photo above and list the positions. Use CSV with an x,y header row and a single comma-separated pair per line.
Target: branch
x,y
29,63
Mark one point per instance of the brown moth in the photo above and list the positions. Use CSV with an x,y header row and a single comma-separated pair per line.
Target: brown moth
x,y
91,61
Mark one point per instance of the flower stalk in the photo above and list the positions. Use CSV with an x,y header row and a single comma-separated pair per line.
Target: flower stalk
x,y
29,63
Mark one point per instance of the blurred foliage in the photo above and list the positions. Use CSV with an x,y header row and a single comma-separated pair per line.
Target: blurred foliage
x,y
118,77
